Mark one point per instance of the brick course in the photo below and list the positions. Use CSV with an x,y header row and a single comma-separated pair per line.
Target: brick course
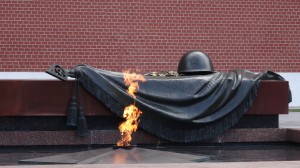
x,y
150,35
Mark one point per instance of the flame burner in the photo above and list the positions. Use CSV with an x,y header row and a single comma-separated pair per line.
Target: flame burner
x,y
118,155
124,147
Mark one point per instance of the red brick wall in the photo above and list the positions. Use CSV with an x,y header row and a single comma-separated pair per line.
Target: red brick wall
x,y
151,35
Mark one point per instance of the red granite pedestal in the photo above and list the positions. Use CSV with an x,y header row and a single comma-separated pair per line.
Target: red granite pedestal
x,y
32,112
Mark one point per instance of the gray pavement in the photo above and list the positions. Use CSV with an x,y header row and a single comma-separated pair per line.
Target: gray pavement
x,y
291,120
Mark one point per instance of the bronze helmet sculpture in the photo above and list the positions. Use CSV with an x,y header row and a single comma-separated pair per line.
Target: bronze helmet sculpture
x,y
195,63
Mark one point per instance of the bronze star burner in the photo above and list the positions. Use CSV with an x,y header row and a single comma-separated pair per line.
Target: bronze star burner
x,y
133,155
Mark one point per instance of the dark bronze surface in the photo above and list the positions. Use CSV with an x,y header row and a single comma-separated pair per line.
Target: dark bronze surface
x,y
195,62
58,72
72,113
184,109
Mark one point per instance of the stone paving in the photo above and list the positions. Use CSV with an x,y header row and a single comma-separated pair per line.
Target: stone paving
x,y
292,120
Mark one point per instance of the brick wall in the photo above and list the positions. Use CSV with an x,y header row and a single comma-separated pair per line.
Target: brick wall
x,y
151,35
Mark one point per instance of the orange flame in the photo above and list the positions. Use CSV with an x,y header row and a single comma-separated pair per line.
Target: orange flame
x,y
131,112
131,79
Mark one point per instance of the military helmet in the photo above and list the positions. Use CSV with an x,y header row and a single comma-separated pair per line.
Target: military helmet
x,y
195,63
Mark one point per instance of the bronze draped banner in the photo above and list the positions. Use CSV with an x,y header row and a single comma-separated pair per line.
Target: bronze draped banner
x,y
184,108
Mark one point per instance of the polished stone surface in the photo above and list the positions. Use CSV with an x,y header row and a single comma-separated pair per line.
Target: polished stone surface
x,y
102,137
110,155
289,131
51,98
228,152
262,164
